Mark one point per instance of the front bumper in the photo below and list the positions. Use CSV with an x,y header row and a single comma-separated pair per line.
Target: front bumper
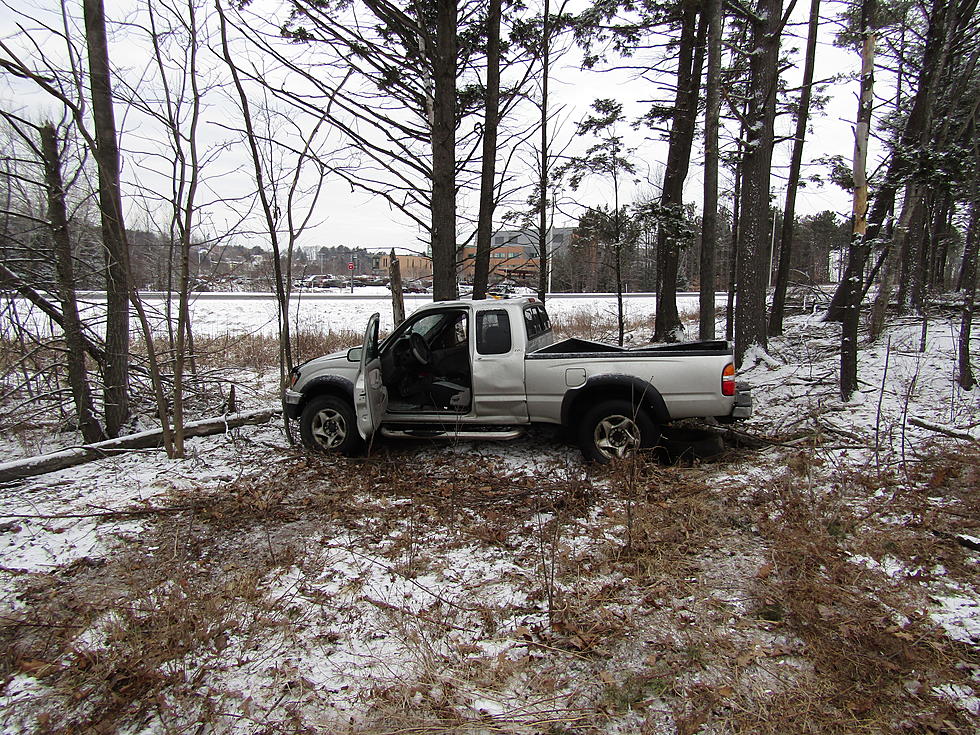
x,y
290,403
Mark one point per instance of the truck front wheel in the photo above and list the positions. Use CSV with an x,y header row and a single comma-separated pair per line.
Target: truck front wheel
x,y
615,429
328,424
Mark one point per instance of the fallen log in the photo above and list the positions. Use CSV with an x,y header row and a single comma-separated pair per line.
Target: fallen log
x,y
20,469
944,430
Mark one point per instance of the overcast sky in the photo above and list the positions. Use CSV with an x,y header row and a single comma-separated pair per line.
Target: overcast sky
x,y
352,218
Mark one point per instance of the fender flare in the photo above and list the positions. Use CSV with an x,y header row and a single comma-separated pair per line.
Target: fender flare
x,y
328,385
629,387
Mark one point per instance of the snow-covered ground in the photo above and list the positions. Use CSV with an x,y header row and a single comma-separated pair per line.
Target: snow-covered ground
x,y
509,587
328,310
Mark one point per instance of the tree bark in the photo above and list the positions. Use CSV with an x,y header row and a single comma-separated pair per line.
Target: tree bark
x,y
689,65
709,218
58,222
397,295
491,118
543,172
793,182
106,153
857,255
966,378
892,260
33,466
443,124
750,306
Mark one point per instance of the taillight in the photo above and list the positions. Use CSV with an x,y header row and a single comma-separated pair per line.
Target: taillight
x,y
728,380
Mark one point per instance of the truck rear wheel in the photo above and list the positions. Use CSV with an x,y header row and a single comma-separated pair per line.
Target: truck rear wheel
x,y
328,424
615,429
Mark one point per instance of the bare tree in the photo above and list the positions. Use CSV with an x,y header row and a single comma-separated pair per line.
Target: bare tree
x,y
857,253
608,159
106,154
58,222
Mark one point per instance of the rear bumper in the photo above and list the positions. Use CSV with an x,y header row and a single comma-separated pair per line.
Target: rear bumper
x,y
743,401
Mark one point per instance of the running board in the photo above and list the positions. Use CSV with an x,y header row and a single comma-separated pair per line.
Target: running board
x,y
421,433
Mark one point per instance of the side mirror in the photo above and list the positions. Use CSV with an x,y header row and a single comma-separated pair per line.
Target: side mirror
x,y
354,354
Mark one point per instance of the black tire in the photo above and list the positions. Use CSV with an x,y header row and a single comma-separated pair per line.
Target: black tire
x,y
615,429
328,424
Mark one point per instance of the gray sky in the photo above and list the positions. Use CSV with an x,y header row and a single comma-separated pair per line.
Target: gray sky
x,y
350,218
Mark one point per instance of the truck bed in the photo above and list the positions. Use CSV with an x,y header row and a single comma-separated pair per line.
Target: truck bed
x,y
575,347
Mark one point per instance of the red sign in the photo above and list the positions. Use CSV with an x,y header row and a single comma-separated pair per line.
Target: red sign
x,y
350,266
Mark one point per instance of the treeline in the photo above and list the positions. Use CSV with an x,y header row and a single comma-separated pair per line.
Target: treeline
x,y
445,111
586,264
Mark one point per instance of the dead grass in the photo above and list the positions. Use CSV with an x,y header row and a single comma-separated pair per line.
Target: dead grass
x,y
656,600
260,352
873,653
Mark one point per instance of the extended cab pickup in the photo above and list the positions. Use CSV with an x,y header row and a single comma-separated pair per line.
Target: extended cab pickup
x,y
485,369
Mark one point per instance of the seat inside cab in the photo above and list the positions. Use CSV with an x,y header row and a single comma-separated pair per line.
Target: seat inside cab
x,y
426,366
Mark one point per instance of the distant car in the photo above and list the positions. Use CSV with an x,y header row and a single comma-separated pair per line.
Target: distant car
x,y
413,288
500,291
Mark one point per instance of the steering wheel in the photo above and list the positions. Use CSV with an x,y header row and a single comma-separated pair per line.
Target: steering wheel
x,y
420,349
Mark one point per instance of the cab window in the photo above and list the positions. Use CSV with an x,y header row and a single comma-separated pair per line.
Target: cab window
x,y
536,321
493,332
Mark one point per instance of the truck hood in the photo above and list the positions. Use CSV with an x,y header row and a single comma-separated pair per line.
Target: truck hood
x,y
332,360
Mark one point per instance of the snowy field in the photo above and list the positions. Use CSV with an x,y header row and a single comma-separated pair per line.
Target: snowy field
x,y
828,581
219,313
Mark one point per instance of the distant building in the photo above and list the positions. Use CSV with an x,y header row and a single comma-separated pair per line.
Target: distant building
x,y
514,254
413,267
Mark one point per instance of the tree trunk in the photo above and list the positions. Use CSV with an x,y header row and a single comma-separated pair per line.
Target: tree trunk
x,y
543,172
397,295
484,230
58,221
753,238
857,254
116,370
793,183
709,220
893,259
444,287
965,377
733,255
913,134
20,469
190,170
689,65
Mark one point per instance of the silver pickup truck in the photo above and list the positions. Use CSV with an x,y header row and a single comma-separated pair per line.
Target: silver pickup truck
x,y
485,369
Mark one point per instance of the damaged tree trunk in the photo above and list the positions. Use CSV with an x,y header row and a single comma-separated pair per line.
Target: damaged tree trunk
x,y
58,224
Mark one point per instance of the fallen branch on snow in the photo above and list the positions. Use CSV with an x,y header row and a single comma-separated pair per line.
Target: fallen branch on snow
x,y
33,466
955,434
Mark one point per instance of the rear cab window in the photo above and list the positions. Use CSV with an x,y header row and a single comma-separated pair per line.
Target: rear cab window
x,y
536,321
